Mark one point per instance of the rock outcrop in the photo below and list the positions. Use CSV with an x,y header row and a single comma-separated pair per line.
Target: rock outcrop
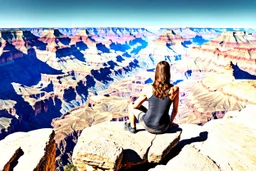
x,y
33,150
211,97
8,117
68,128
229,144
108,146
236,47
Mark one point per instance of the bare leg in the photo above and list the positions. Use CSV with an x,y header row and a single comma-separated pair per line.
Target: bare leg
x,y
173,116
132,119
172,119
133,114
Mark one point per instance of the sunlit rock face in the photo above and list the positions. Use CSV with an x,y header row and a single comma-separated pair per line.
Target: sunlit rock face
x,y
9,118
110,147
236,47
34,150
58,77
97,109
212,96
218,79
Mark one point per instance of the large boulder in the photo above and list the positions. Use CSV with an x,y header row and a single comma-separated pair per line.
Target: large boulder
x,y
34,150
162,145
108,146
223,144
97,155
231,143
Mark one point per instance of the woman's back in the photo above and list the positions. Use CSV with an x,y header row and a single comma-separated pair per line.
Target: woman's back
x,y
157,116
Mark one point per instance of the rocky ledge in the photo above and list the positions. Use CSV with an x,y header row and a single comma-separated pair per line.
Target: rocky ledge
x,y
107,146
223,144
34,150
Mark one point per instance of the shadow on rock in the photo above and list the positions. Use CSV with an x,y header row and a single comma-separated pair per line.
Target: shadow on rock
x,y
176,150
130,156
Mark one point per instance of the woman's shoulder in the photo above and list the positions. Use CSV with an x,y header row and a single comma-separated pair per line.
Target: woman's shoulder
x,y
174,90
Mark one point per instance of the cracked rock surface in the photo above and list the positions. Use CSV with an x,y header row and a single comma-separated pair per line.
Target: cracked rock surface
x,y
114,148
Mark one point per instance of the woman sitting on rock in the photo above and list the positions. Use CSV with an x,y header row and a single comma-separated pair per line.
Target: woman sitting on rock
x,y
161,94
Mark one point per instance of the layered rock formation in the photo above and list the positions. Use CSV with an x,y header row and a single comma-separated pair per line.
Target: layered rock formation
x,y
167,46
114,33
192,34
34,150
8,117
213,83
211,97
108,146
236,47
64,74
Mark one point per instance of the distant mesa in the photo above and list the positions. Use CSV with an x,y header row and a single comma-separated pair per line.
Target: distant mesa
x,y
170,36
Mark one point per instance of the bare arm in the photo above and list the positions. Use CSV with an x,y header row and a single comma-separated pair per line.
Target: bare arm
x,y
175,96
142,98
138,102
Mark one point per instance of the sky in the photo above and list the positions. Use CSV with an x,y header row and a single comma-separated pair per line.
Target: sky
x,y
151,14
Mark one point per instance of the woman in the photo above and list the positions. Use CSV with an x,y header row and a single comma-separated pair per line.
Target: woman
x,y
161,94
